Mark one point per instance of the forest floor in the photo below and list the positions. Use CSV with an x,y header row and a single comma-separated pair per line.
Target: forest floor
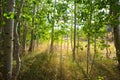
x,y
40,65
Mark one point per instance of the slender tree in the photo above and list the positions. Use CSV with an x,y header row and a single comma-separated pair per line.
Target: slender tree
x,y
74,48
24,36
78,41
67,43
107,49
1,23
32,41
95,51
61,57
17,42
1,36
52,31
88,36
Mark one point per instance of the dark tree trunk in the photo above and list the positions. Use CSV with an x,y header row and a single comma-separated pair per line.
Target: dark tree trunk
x,y
31,48
32,42
116,27
74,48
24,37
1,25
107,49
1,39
77,41
52,32
116,31
52,39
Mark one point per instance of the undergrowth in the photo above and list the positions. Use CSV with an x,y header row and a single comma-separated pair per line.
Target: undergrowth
x,y
39,66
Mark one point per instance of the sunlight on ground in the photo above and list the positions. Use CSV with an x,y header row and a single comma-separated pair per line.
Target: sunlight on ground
x,y
62,67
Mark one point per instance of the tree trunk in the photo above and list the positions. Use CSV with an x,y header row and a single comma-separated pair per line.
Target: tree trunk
x,y
88,52
31,48
95,51
8,41
32,42
52,40
74,48
116,31
61,62
116,28
77,41
24,37
1,39
67,43
1,24
17,42
52,33
107,49
89,37
71,41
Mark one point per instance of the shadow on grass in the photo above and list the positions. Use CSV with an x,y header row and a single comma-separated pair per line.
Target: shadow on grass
x,y
38,68
104,71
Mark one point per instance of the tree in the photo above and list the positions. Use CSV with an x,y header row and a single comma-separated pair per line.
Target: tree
x,y
114,11
32,42
8,39
24,36
74,48
52,31
89,35
1,27
17,41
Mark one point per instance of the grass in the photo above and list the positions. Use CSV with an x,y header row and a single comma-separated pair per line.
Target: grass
x,y
36,66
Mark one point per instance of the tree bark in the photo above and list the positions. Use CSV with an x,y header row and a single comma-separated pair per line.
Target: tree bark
x,y
74,48
1,23
52,39
78,45
1,38
61,56
89,37
31,48
17,41
8,41
24,37
52,33
95,51
116,28
116,31
67,43
32,42
107,49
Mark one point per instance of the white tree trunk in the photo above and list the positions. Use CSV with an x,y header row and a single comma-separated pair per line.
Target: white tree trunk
x,y
17,43
8,41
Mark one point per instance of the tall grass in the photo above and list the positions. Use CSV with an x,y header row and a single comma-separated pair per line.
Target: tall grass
x,y
36,66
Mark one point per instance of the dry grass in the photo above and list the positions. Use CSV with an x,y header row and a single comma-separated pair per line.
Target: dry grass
x,y
37,66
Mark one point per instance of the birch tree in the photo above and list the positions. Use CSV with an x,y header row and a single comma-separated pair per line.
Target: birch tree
x,y
8,39
17,42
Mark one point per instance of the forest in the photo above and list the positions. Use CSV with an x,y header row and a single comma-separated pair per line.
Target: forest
x,y
59,39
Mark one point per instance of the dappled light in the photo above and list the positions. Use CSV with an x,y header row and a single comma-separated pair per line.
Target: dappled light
x,y
59,39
